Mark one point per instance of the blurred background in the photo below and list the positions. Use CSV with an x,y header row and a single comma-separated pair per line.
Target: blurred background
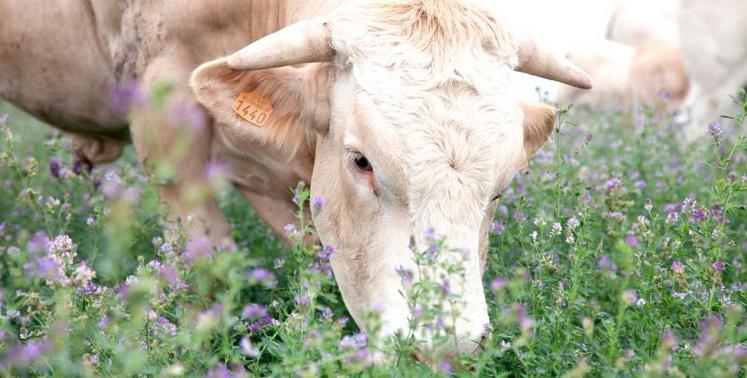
x,y
685,58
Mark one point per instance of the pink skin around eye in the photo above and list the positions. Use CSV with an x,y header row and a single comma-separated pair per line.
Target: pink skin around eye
x,y
371,180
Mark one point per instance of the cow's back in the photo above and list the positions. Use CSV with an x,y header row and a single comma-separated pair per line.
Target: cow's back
x,y
60,60
53,64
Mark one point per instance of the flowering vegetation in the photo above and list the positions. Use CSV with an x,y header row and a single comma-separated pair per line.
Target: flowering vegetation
x,y
619,251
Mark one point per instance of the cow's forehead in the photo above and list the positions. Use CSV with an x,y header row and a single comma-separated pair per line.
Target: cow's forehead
x,y
451,140
427,42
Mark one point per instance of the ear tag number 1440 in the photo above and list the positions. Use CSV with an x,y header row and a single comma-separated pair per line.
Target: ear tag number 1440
x,y
253,107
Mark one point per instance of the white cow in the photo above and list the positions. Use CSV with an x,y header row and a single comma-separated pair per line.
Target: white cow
x,y
399,112
640,23
714,45
626,77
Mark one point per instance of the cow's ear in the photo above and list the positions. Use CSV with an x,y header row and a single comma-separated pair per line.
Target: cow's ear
x,y
282,106
539,124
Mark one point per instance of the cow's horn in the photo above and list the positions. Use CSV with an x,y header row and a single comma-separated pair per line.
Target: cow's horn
x,y
303,42
536,61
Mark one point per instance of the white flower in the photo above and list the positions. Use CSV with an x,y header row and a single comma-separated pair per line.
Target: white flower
x,y
640,302
130,280
505,345
83,275
62,250
557,228
572,223
248,349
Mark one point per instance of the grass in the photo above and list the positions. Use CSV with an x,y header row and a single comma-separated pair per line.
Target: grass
x,y
619,252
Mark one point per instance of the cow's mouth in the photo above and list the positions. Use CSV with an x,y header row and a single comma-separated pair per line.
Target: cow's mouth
x,y
451,357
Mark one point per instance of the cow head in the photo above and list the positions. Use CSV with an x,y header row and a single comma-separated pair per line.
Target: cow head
x,y
407,110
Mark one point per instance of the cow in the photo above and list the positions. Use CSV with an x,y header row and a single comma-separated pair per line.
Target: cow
x,y
641,23
638,64
398,114
627,78
714,45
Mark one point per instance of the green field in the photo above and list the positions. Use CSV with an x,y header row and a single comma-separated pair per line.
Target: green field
x,y
621,251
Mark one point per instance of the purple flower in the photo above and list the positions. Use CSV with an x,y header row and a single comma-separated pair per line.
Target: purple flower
x,y
262,276
26,354
317,205
698,215
217,172
717,213
198,248
606,264
497,228
672,208
632,241
668,339
38,242
186,114
123,97
322,267
104,322
710,329
678,267
715,130
290,230
525,323
326,252
112,185
738,352
327,314
587,139
176,284
613,186
614,215
405,274
220,371
343,321
46,268
302,300
254,311
519,217
78,166
265,320
498,284
418,310
357,341
55,166
445,288
445,367
630,296
361,340
640,184
164,326
3,118
89,289
719,265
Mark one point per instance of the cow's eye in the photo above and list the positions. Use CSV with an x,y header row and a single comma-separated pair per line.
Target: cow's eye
x,y
362,162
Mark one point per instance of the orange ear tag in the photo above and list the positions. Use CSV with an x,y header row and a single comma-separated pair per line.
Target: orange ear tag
x,y
253,107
